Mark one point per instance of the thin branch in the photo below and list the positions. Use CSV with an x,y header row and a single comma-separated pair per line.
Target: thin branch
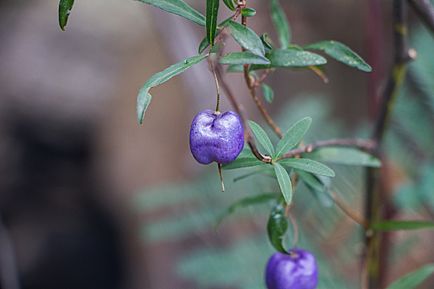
x,y
347,210
361,144
425,11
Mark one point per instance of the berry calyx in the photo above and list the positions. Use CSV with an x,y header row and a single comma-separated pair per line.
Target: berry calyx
x,y
296,270
216,137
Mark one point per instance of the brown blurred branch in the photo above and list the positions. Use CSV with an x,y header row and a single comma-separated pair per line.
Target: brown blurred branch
x,y
425,11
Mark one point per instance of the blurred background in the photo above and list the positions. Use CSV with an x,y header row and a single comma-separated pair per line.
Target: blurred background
x,y
90,199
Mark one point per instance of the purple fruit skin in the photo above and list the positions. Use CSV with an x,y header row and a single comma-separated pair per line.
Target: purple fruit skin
x,y
217,137
298,270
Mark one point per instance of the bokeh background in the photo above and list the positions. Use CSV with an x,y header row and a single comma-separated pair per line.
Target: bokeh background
x,y
90,199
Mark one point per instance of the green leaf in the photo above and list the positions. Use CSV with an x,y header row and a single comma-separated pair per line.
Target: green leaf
x,y
212,9
268,93
413,279
205,43
246,37
293,136
342,53
394,225
345,156
246,202
245,159
248,12
144,97
262,137
235,68
269,172
280,23
295,58
180,8
284,182
245,57
308,165
65,7
230,4
316,187
276,228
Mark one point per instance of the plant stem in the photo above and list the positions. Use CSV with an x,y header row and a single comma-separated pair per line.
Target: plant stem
x,y
377,203
217,86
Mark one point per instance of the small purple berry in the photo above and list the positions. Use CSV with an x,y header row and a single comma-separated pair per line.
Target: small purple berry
x,y
296,270
216,136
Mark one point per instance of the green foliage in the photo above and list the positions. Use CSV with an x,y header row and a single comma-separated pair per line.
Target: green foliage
x,y
248,12
262,137
345,156
230,4
276,228
65,7
144,97
180,8
308,165
268,93
280,23
413,279
396,225
245,57
342,53
293,136
284,182
246,38
292,58
212,9
245,159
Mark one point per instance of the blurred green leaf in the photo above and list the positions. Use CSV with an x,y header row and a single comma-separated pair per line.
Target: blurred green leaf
x,y
276,228
246,38
342,53
245,57
268,43
396,225
293,136
262,137
280,23
316,187
248,12
295,58
230,4
284,182
308,165
180,8
263,171
246,202
413,279
212,9
345,156
268,93
235,68
144,97
65,7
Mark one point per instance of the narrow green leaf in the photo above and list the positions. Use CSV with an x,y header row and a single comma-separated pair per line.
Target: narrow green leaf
x,y
276,228
268,93
235,68
316,187
342,53
212,9
205,43
308,165
293,136
245,57
262,137
345,156
230,4
246,37
280,23
245,159
178,7
413,279
284,182
248,12
269,172
395,225
247,202
65,7
294,58
144,97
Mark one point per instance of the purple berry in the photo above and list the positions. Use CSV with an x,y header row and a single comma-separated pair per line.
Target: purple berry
x,y
216,137
296,270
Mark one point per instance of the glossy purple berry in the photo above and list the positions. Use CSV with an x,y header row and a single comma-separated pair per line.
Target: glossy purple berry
x,y
216,137
296,270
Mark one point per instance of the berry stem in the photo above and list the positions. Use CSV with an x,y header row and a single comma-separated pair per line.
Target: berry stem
x,y
217,86
219,166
